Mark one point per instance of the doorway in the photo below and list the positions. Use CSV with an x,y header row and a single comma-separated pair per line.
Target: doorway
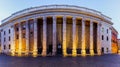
x,y
102,50
59,49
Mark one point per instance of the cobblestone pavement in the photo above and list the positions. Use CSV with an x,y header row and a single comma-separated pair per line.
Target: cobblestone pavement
x,y
88,61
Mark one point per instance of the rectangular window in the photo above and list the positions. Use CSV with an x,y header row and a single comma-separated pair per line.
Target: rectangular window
x,y
4,47
102,37
31,34
9,38
4,32
9,31
4,39
107,30
17,29
102,29
107,38
23,35
17,36
9,46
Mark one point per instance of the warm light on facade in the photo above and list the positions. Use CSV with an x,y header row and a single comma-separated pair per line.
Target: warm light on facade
x,y
41,34
83,52
91,52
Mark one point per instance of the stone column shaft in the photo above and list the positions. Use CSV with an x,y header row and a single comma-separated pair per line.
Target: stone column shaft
x,y
20,39
98,39
64,36
13,41
83,51
44,51
74,36
35,38
54,35
91,38
27,37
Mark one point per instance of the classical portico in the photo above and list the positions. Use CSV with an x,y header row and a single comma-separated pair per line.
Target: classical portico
x,y
57,30
47,35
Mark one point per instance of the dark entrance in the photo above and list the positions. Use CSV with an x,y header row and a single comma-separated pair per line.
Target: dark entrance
x,y
95,25
40,35
59,49
102,50
59,36
49,51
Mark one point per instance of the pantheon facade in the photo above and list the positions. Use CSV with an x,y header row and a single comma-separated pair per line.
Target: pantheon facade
x,y
50,30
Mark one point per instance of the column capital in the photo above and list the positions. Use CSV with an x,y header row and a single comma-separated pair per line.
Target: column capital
x,y
74,19
44,17
64,18
54,18
83,20
35,20
91,21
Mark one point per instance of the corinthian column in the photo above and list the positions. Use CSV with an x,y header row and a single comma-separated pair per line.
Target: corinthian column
x,y
54,35
98,39
27,37
74,37
83,51
91,38
44,37
64,36
35,38
20,39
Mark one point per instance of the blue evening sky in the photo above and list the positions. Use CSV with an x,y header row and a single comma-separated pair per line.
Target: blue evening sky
x,y
110,8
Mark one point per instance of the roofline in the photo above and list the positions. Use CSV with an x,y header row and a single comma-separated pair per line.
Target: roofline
x,y
55,6
114,29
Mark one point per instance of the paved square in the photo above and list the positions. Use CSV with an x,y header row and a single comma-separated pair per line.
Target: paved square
x,y
88,61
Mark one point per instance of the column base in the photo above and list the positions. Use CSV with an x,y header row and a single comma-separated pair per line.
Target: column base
x,y
91,52
99,52
12,53
27,52
35,53
83,52
19,54
118,51
64,52
74,54
44,53
54,52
